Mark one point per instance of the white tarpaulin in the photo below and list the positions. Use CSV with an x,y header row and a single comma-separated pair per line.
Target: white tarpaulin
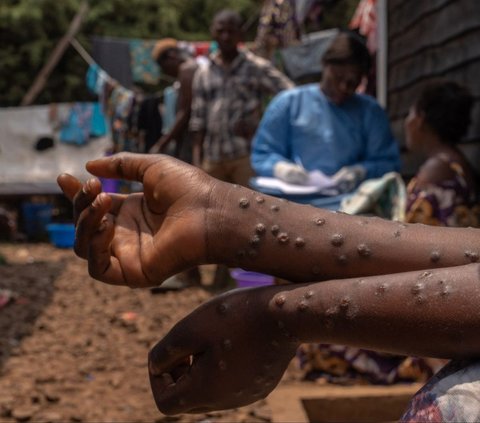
x,y
23,168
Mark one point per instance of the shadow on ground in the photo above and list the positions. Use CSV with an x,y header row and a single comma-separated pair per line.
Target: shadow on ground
x,y
26,289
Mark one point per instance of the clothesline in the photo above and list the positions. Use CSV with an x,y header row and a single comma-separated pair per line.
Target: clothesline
x,y
91,61
81,51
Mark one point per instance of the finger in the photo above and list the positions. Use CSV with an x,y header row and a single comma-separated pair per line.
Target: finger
x,y
69,185
102,265
84,198
179,345
187,393
164,387
89,222
182,395
117,203
123,166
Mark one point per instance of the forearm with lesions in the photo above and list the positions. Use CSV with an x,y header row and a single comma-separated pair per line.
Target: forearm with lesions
x,y
425,313
302,243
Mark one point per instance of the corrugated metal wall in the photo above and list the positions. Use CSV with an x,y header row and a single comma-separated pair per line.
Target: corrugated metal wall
x,y
428,39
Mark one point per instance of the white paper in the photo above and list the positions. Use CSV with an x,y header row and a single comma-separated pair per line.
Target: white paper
x,y
318,183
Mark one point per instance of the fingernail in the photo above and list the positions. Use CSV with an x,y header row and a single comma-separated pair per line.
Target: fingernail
x,y
97,202
103,225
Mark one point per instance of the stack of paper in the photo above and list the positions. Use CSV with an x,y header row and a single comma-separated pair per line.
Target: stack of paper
x,y
318,183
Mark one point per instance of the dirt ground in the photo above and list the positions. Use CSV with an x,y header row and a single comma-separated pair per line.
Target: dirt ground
x,y
73,349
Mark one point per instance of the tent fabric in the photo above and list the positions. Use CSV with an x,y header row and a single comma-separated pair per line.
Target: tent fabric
x,y
24,169
304,59
113,56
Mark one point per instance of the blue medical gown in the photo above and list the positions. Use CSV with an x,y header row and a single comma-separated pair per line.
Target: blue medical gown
x,y
302,126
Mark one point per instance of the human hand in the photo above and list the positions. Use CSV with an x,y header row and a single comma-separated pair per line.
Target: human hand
x,y
290,172
140,239
348,177
229,352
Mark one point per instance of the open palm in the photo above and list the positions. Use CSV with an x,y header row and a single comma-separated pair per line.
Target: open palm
x,y
139,239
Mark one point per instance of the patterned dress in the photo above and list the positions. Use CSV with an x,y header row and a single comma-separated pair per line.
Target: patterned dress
x,y
452,395
347,365
450,202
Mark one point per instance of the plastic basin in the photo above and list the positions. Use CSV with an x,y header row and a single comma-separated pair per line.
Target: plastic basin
x,y
36,217
245,278
62,235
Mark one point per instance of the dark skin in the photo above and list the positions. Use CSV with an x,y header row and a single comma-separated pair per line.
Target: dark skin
x,y
422,139
184,71
340,81
227,34
408,289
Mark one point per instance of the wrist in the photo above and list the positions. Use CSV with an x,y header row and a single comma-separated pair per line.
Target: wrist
x,y
292,306
226,232
265,234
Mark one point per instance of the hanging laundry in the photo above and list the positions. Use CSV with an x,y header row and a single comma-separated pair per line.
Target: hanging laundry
x,y
76,129
119,107
365,21
96,78
113,56
277,28
144,68
202,48
98,126
84,121
170,97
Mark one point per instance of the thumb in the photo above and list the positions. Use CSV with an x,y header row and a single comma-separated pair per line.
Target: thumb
x,y
127,166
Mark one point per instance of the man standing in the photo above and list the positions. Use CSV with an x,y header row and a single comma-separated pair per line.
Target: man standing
x,y
175,63
228,98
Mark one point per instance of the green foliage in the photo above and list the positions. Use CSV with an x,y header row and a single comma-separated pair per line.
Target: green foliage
x,y
30,30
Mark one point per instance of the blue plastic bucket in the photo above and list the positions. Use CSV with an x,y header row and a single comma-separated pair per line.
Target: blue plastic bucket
x,y
36,217
246,279
62,235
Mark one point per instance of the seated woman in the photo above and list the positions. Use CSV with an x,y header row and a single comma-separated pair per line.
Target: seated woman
x,y
443,193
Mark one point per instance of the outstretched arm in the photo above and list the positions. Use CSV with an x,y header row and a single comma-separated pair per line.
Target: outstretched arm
x,y
185,218
233,350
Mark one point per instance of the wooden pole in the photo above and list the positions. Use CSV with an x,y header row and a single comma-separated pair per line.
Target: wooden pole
x,y
55,56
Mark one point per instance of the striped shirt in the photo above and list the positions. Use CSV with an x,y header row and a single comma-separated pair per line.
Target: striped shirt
x,y
228,103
